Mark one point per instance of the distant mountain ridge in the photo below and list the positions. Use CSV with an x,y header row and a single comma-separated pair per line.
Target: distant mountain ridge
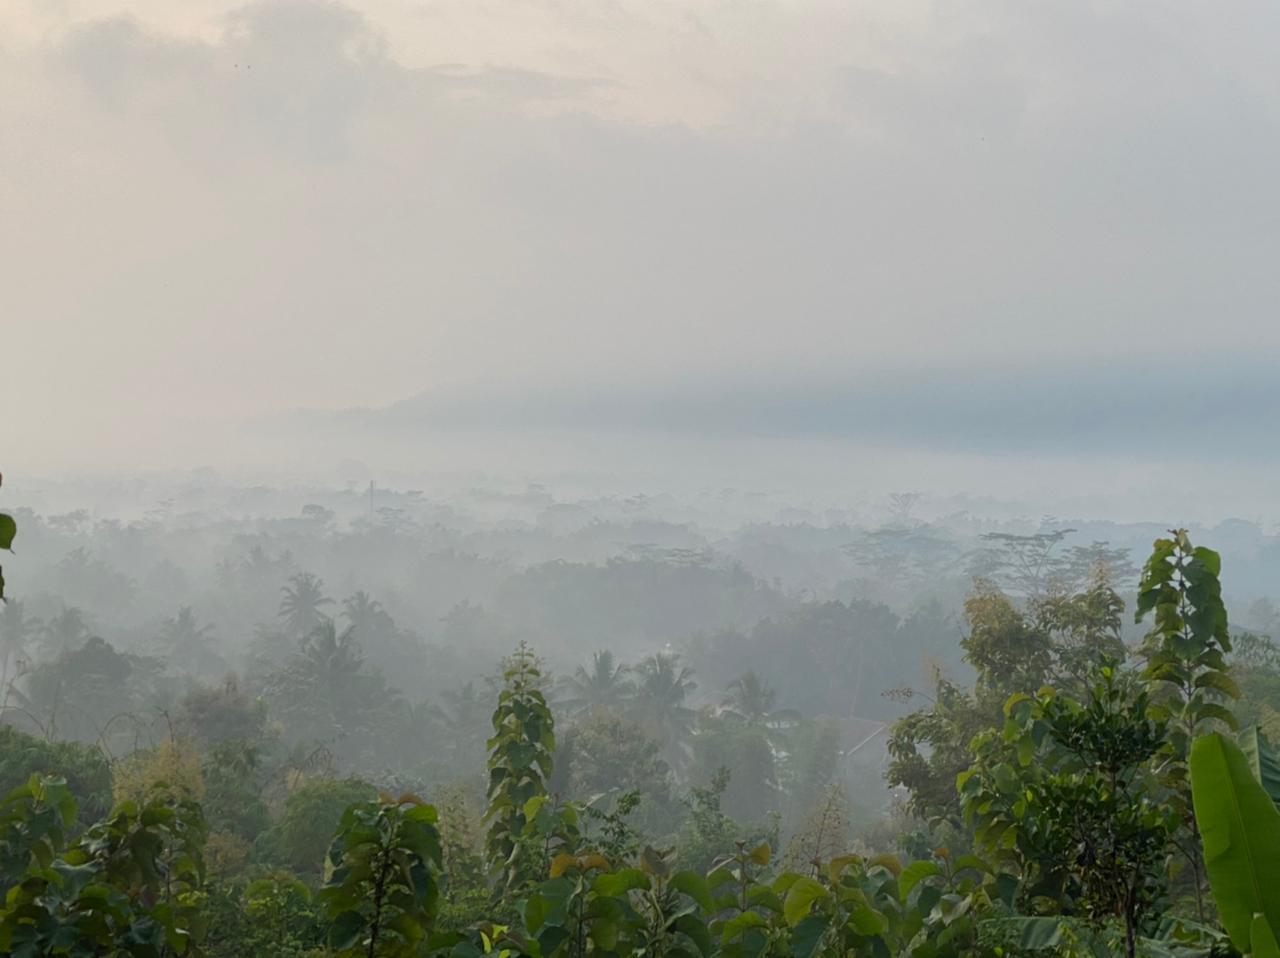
x,y
1192,407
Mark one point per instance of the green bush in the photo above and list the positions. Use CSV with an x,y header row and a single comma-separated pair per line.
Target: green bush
x,y
299,840
83,767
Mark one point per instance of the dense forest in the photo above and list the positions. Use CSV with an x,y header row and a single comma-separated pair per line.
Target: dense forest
x,y
516,726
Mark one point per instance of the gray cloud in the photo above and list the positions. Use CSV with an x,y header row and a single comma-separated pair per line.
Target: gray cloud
x,y
292,214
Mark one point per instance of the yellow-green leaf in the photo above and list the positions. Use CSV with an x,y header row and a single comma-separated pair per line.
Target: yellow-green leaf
x,y
800,898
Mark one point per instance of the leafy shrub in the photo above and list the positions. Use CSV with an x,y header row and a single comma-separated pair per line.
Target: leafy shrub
x,y
83,767
311,815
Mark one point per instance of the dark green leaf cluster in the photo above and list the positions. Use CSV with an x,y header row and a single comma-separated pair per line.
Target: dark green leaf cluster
x,y
128,886
1187,667
1189,639
383,892
1056,640
1066,798
84,769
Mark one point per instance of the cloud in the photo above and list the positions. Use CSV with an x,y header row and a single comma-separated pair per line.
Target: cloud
x,y
319,205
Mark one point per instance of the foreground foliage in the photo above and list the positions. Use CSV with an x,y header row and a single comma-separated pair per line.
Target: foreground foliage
x,y
1069,804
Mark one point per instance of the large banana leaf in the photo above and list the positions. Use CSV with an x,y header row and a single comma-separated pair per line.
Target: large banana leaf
x,y
1240,827
1054,933
1264,942
1262,759
1051,933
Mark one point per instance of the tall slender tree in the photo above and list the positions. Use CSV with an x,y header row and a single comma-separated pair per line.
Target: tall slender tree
x,y
661,705
302,603
520,762
751,700
185,639
1187,669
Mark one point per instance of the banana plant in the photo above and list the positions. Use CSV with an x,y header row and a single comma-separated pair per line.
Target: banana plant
x,y
1240,827
1263,760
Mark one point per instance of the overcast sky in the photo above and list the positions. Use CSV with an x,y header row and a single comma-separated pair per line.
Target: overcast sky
x,y
213,213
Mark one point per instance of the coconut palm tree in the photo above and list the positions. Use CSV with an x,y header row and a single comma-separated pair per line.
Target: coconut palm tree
x,y
303,599
465,708
363,612
604,686
325,692
328,658
462,720
372,622
663,688
750,700
185,639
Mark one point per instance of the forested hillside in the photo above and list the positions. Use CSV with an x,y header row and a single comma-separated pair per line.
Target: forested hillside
x,y
379,735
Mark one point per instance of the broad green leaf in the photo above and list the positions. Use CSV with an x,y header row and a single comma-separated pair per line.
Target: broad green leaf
x,y
1026,751
1014,700
785,881
695,886
619,882
836,867
868,921
1211,560
536,910
762,896
346,930
8,529
551,938
1240,828
808,935
800,898
914,873
1263,760
604,933
1263,939
1219,682
695,929
970,862
652,862
741,923
886,860
1220,712
561,864
1036,933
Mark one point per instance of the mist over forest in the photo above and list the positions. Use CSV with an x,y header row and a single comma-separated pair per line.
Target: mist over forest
x,y
720,666
673,478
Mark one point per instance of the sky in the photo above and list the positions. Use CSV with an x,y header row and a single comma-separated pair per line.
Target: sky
x,y
908,223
